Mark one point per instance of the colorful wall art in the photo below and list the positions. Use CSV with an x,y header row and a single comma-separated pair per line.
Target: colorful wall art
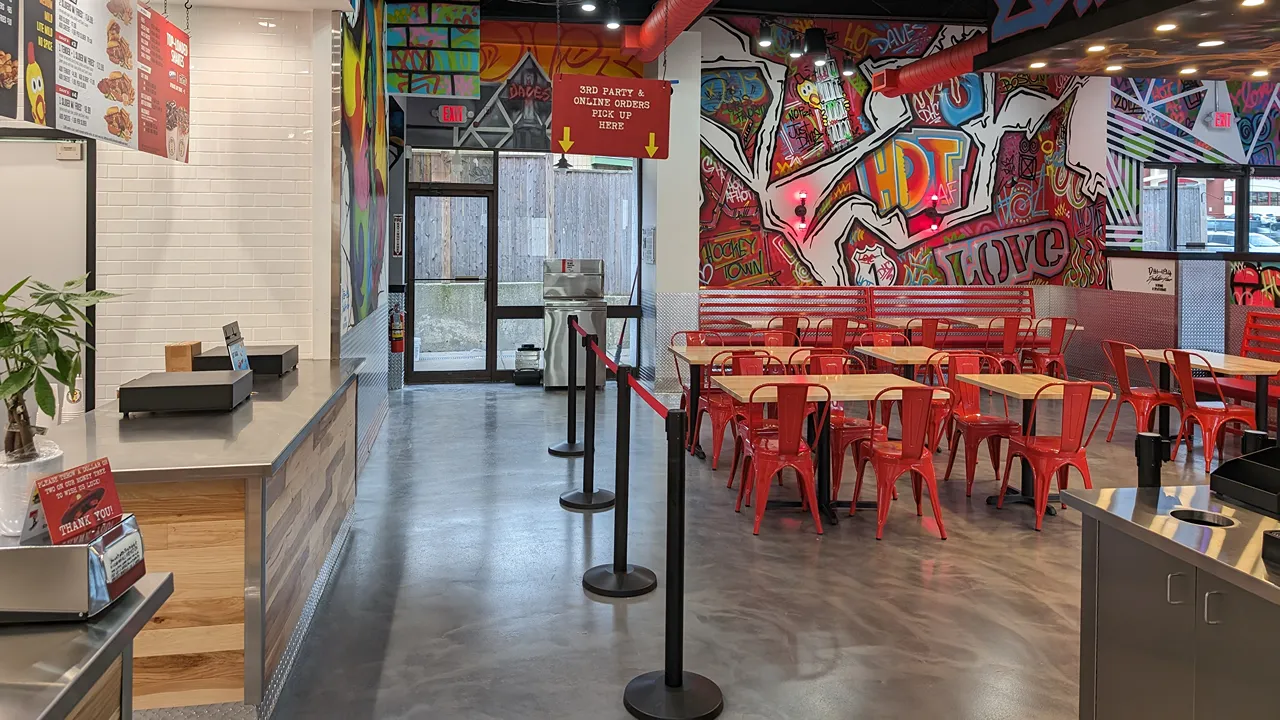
x,y
1172,121
363,163
1255,284
983,180
433,48
517,62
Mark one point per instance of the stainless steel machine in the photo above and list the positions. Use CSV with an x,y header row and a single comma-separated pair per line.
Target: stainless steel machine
x,y
571,287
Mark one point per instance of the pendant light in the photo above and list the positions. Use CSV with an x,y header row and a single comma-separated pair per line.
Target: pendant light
x,y
815,42
563,163
846,67
612,19
764,36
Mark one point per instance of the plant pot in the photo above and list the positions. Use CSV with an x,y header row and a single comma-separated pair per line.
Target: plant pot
x,y
17,479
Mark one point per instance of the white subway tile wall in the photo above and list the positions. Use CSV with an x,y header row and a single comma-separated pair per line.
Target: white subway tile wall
x,y
227,237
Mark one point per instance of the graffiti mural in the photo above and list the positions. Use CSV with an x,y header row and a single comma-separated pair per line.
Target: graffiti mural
x,y
517,62
363,165
1255,284
1171,121
976,181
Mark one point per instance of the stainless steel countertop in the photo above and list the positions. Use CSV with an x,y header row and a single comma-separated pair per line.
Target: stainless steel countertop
x,y
46,669
1233,554
253,440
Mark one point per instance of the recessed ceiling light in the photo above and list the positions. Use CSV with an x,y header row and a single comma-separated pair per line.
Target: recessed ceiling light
x,y
1252,3
266,23
1261,73
1212,43
1038,65
1114,68
1187,71
1166,27
1096,48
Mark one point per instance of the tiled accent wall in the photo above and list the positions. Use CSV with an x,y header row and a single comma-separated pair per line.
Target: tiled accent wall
x,y
1202,297
1142,319
227,237
368,341
395,362
674,311
649,346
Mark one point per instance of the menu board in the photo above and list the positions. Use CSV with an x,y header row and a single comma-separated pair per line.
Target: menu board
x,y
110,70
9,72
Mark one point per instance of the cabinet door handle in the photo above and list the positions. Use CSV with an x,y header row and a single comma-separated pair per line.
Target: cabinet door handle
x,y
1168,589
1208,595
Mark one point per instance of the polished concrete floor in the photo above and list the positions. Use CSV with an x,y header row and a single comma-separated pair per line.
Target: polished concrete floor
x,y
459,593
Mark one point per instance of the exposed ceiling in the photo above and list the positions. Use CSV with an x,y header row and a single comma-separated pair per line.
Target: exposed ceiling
x,y
1242,40
634,12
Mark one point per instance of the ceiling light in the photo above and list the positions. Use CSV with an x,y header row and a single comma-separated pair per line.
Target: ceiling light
x,y
1211,43
795,53
563,163
1260,73
1187,71
846,67
815,43
588,7
764,38
1252,3
613,22
266,23
1096,48
1114,68
819,62
1166,27
1038,65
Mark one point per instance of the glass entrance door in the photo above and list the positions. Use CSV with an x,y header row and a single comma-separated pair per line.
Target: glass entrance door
x,y
451,333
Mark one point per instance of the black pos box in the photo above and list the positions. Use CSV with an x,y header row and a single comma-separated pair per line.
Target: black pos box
x,y
263,359
213,391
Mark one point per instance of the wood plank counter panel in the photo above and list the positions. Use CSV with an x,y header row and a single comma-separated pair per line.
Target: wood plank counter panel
x,y
186,654
306,502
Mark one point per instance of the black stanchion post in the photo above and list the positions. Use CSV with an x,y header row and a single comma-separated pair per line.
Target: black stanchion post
x,y
1253,441
1150,455
588,498
672,693
571,447
621,579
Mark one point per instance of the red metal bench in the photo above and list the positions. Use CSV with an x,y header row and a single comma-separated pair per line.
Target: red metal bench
x,y
951,301
1261,340
718,306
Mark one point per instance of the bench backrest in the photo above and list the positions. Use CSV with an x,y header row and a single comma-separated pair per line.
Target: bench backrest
x,y
1261,336
952,301
718,306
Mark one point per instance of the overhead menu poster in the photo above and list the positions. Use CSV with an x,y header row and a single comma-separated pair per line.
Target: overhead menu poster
x,y
9,58
110,70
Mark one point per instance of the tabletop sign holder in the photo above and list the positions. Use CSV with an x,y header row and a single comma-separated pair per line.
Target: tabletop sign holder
x,y
75,567
235,346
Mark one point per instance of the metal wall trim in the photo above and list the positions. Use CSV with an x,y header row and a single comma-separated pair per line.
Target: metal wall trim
x,y
255,563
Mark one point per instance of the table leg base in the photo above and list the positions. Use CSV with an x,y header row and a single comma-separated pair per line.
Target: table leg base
x,y
578,500
828,513
634,581
650,698
567,449
1013,497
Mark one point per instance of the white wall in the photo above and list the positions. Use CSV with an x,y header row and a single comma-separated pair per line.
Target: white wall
x,y
676,180
229,236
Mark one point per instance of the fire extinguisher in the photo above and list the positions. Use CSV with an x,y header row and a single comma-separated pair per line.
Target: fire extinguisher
x,y
397,329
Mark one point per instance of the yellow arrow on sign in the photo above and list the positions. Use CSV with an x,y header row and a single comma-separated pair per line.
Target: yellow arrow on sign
x,y
651,148
566,143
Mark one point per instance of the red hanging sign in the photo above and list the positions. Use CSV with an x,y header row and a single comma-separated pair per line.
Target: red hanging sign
x,y
622,117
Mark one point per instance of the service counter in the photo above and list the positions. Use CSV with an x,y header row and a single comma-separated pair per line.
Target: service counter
x,y
244,508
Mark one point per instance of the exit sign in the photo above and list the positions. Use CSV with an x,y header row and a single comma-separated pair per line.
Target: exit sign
x,y
1222,119
451,114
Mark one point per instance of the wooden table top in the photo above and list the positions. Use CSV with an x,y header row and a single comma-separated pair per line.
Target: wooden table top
x,y
844,388
755,323
1220,363
898,323
899,354
1022,387
704,354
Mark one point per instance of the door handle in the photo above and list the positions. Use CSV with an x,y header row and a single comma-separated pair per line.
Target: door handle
x,y
1208,621
1168,589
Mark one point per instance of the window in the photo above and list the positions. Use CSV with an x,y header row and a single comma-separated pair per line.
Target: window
x,y
1264,213
451,166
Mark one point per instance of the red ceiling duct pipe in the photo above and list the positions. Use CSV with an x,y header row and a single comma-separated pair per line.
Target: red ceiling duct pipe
x,y
668,19
931,69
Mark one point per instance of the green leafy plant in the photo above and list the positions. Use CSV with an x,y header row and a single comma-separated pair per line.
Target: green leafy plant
x,y
39,342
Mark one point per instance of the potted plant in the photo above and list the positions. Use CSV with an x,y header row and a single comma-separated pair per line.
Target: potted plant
x,y
40,343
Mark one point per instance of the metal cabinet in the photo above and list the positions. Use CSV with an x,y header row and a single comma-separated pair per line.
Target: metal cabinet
x,y
1237,651
1146,614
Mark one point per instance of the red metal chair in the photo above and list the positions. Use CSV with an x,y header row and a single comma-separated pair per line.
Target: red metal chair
x,y
1012,332
1145,400
797,325
967,418
1054,455
773,338
1054,355
767,453
890,459
1213,417
928,332
692,338
839,331
756,362
719,404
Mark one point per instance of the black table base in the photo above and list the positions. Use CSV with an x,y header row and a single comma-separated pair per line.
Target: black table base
x,y
579,500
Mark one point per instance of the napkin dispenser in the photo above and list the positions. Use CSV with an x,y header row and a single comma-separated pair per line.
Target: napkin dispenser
x,y
72,581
